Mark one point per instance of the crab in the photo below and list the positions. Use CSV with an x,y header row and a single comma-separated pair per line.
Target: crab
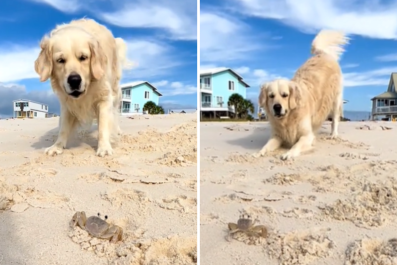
x,y
97,227
246,226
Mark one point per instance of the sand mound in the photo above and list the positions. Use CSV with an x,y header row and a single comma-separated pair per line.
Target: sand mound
x,y
135,251
182,139
284,179
372,252
369,207
300,247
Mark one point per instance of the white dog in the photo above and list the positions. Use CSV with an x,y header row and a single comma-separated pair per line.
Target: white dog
x,y
297,108
84,62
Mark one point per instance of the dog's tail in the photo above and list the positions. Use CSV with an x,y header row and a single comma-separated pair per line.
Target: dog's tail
x,y
122,54
330,42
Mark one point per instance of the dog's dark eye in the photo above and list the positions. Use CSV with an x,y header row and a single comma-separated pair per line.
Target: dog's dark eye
x,y
271,96
284,95
60,60
83,58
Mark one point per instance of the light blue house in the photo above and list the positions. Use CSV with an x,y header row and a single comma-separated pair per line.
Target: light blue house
x,y
135,95
216,86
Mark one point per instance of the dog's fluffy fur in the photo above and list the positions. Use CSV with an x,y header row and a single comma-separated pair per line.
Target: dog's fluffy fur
x,y
87,49
297,108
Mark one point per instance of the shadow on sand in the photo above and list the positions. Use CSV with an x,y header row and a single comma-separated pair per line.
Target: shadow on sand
x,y
255,140
78,137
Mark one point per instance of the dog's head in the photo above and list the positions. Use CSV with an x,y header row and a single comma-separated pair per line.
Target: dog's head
x,y
279,97
72,58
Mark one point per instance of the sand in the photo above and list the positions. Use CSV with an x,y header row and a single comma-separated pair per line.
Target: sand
x,y
334,205
148,187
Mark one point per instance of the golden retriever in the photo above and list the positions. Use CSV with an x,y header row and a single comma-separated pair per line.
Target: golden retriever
x,y
298,107
84,63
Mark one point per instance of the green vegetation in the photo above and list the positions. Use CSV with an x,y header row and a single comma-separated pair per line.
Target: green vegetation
x,y
152,108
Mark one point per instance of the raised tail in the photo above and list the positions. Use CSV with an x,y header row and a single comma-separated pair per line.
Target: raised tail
x,y
330,42
122,54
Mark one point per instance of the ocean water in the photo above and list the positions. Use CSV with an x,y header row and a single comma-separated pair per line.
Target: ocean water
x,y
357,115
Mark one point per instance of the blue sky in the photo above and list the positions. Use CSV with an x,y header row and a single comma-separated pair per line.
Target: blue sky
x,y
267,39
161,36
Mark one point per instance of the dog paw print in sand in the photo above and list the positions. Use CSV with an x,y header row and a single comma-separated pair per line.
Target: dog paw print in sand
x,y
352,156
371,252
180,203
372,206
127,198
247,230
242,196
178,158
299,247
238,158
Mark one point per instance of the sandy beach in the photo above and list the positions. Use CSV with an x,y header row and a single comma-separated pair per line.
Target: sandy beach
x,y
148,187
334,205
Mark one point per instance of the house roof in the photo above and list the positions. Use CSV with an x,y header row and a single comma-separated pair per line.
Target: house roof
x,y
27,100
137,83
220,70
385,95
389,93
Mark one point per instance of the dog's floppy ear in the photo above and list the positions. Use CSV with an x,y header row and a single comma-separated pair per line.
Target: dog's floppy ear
x,y
295,95
98,60
262,100
43,64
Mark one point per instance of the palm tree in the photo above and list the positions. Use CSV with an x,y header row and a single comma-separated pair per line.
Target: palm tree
x,y
158,110
246,107
150,107
235,100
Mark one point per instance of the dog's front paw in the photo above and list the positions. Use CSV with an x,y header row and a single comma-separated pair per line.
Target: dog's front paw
x,y
53,150
258,154
333,136
288,155
104,150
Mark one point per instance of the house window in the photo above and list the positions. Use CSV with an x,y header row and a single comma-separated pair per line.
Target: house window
x,y
136,106
231,85
207,99
46,107
146,94
42,106
207,81
219,100
16,104
35,114
26,104
393,88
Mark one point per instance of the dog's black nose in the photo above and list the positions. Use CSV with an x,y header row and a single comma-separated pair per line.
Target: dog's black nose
x,y
74,81
277,108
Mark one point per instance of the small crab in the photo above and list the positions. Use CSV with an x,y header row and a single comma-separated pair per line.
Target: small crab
x,y
98,227
246,226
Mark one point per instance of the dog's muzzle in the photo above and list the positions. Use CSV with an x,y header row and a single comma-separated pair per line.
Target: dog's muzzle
x,y
74,82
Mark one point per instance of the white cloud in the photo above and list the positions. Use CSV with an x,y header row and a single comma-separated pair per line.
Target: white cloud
x,y
223,38
387,58
17,62
67,6
377,77
152,59
178,18
350,65
368,18
174,88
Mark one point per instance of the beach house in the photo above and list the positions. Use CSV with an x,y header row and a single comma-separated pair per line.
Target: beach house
x,y
216,86
24,108
385,104
135,95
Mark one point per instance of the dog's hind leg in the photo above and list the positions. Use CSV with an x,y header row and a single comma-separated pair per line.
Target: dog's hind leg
x,y
336,114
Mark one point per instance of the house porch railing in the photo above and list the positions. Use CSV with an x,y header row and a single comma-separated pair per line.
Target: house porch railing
x,y
205,105
205,86
385,110
125,96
